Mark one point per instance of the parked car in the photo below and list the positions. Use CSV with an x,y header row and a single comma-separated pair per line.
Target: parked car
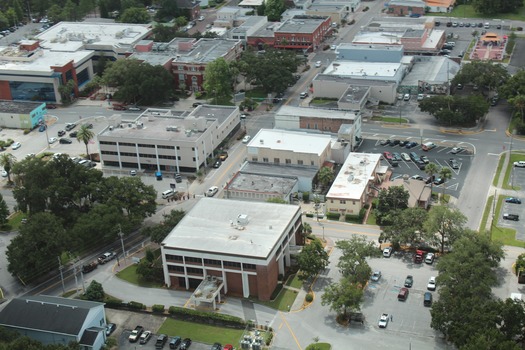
x,y
42,128
387,156
61,133
216,346
406,97
70,126
425,159
387,252
134,108
513,200
303,95
411,144
384,142
110,328
453,163
403,294
409,281
431,283
217,164
161,340
185,344
520,164
429,259
513,217
417,177
175,342
65,141
212,191
421,164
318,64
456,150
376,276
73,134
145,337
383,320
201,18
396,156
106,257
228,347
405,157
439,181
52,140
246,139
196,104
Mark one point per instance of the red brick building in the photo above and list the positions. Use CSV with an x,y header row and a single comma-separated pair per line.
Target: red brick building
x,y
305,33
414,8
247,247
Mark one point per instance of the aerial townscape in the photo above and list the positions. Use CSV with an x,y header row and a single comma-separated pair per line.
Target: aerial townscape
x,y
262,174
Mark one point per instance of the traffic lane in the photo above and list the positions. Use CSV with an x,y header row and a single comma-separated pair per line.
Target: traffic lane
x,y
409,317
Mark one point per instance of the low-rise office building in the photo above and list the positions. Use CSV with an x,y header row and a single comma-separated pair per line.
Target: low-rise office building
x,y
305,176
260,187
246,247
21,115
406,7
351,189
159,141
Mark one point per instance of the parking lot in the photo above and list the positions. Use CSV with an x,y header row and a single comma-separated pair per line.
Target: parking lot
x,y
440,155
409,316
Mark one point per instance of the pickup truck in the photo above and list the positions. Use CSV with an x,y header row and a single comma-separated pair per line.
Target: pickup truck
x,y
106,257
135,334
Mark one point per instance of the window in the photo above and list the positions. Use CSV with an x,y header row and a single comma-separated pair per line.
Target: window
x,y
193,148
181,67
276,161
248,266
194,271
288,161
173,257
254,159
193,260
181,77
178,148
212,262
312,162
300,162
342,201
265,160
232,264
173,268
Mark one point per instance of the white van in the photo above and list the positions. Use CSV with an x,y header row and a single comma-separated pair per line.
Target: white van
x,y
168,193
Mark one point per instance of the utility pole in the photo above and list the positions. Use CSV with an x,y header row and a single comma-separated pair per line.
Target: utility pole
x,y
60,267
121,235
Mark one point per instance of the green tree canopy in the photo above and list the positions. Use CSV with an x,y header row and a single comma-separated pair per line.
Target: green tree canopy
x,y
352,263
483,74
390,202
343,296
444,226
273,9
312,260
218,79
94,292
494,7
135,15
455,109
407,228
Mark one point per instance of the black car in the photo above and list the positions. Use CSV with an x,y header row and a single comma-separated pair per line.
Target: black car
x,y
513,217
513,200
70,126
89,125
196,104
395,143
217,164
110,328
65,141
409,281
437,23
73,134
449,24
421,164
185,344
216,346
439,181
61,133
411,145
403,143
494,101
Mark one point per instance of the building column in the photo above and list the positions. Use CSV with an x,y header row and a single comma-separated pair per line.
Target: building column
x,y
157,157
245,285
118,152
287,254
225,281
138,156
281,264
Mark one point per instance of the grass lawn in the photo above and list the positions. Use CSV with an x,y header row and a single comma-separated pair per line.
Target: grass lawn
x,y
467,11
201,332
498,170
130,274
322,101
390,120
514,157
257,92
371,220
294,281
14,222
284,299
486,213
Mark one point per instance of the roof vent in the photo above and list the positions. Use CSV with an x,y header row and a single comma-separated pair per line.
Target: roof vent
x,y
261,141
242,219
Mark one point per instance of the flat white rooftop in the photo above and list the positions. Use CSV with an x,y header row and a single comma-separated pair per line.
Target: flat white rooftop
x,y
212,226
353,178
39,62
363,69
293,141
315,113
378,37
72,36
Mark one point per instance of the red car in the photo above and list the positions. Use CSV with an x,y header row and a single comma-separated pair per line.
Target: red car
x,y
48,106
228,347
387,155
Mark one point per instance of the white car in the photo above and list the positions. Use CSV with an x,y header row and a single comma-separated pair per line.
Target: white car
x,y
317,64
201,18
246,139
333,47
456,150
431,283
420,97
383,320
387,252
16,145
405,157
429,259
212,191
145,337
52,140
376,276
520,164
4,173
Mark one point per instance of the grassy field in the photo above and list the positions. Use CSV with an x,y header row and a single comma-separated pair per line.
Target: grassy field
x,y
200,332
467,11
130,274
486,213
498,170
506,180
390,120
283,301
319,346
294,281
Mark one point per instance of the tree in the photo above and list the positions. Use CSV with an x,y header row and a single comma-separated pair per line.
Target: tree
x,y
343,296
33,251
217,79
85,135
325,176
455,109
352,263
520,264
168,9
158,232
431,169
311,260
390,202
66,91
7,160
4,212
444,226
150,268
407,228
135,15
95,292
491,7
445,174
274,9
482,73
277,200
514,86
70,11
518,102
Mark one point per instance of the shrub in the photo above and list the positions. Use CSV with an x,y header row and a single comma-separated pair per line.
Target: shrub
x,y
366,206
366,9
205,317
333,216
309,298
114,303
309,215
306,197
269,339
26,131
362,213
352,218
158,308
134,305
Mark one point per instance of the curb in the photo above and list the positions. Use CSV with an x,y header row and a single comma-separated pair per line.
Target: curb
x,y
460,132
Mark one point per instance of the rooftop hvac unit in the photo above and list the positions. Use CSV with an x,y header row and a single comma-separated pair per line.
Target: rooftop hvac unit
x,y
110,128
122,126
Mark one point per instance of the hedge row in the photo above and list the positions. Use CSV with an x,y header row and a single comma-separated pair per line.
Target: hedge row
x,y
206,317
158,308
333,216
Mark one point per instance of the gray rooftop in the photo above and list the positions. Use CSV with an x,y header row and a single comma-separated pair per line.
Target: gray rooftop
x,y
431,69
316,112
301,24
162,124
414,33
217,226
18,107
353,81
262,183
278,170
267,31
354,93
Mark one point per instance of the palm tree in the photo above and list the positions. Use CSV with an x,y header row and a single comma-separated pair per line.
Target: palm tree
x,y
7,160
445,174
431,169
85,135
325,176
